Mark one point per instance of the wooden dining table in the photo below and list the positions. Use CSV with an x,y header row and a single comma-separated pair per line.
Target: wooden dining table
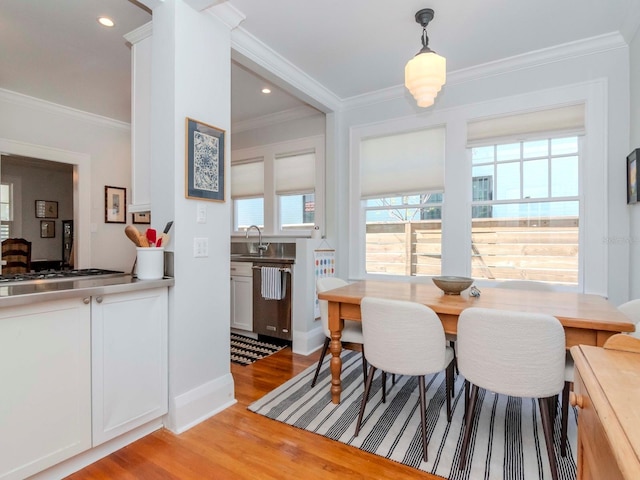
x,y
587,319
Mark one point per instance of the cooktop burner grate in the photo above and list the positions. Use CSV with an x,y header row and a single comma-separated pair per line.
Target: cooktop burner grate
x,y
56,274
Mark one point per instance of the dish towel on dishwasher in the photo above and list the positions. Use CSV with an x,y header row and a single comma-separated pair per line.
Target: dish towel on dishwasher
x,y
272,287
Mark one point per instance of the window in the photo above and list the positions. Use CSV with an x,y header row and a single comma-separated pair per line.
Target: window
x,y
404,235
526,210
295,177
279,187
401,192
297,211
6,210
247,192
248,211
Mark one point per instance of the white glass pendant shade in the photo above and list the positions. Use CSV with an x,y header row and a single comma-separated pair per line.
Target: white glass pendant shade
x,y
424,76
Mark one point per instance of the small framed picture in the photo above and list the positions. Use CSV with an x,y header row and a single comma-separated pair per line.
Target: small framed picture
x,y
632,176
46,209
47,229
204,161
115,204
141,217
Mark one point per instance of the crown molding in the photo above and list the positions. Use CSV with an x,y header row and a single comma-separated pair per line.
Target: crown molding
x,y
31,102
599,44
274,118
257,52
140,33
227,14
200,5
589,46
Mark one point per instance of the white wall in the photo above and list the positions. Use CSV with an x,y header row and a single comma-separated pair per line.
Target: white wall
x,y
466,92
634,210
28,124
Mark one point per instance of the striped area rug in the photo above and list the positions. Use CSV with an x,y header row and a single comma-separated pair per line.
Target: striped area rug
x,y
507,441
246,350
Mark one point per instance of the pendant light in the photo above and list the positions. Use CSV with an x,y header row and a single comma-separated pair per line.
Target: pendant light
x,y
426,73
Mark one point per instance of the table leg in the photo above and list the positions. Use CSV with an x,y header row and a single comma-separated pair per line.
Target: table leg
x,y
336,324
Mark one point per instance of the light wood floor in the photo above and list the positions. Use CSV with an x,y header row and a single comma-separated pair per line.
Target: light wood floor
x,y
239,444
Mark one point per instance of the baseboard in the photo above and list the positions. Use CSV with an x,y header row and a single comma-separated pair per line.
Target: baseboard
x,y
66,468
305,343
195,406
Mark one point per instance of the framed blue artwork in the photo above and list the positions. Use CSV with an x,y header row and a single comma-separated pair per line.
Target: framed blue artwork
x,y
204,161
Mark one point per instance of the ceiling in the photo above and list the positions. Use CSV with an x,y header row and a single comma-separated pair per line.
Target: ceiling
x,y
58,52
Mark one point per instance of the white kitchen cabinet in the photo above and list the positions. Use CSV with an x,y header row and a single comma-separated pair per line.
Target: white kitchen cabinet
x,y
140,40
129,361
242,296
45,385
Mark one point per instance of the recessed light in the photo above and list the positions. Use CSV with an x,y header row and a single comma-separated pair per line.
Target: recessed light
x,y
266,90
106,22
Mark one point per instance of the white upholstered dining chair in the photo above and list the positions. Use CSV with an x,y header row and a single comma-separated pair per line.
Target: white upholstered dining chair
x,y
405,338
568,368
632,310
351,334
520,354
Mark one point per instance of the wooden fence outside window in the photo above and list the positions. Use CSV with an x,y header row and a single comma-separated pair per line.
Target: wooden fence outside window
x,y
503,249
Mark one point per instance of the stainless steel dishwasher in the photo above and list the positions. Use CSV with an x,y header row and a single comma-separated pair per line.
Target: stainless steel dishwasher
x,y
272,317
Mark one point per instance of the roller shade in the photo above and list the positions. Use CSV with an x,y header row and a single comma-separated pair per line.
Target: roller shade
x,y
295,173
402,164
247,179
567,120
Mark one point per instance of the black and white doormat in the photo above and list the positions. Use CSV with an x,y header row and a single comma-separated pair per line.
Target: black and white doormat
x,y
507,441
246,350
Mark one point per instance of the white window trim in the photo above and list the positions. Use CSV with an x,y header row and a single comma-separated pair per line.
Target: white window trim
x,y
16,224
268,153
456,229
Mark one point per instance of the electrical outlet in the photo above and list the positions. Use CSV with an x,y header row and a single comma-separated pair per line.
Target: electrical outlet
x,y
200,247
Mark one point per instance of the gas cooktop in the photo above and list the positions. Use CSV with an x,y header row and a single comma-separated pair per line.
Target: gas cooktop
x,y
57,275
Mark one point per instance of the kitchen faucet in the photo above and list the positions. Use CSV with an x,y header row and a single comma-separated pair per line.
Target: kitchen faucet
x,y
261,248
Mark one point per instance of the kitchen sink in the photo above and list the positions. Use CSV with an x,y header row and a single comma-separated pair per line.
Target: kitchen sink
x,y
257,258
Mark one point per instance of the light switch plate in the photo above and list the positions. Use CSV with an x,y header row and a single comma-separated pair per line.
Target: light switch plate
x,y
201,212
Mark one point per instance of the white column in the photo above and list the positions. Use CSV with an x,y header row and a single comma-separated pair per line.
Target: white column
x,y
191,64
